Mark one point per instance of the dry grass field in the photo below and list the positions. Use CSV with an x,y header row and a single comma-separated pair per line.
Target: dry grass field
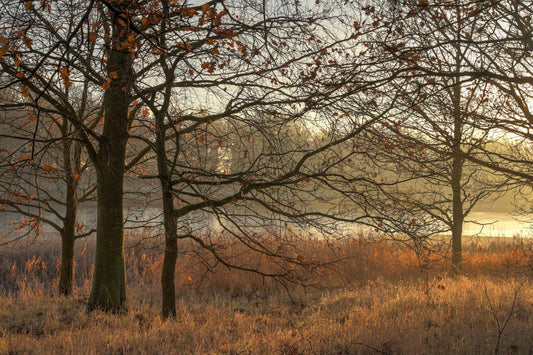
x,y
376,300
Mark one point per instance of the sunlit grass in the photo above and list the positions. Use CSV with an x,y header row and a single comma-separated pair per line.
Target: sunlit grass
x,y
376,299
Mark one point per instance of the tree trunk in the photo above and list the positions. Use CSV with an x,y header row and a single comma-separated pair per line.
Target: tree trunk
x,y
109,283
66,271
168,309
67,247
456,184
457,163
171,244
458,216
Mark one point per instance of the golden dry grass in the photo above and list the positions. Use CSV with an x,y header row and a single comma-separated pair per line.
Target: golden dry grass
x,y
376,300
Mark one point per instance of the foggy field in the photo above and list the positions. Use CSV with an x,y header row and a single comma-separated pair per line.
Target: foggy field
x,y
376,299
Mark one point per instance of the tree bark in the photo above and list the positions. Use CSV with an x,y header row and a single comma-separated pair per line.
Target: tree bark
x,y
456,184
168,309
109,283
67,241
458,216
458,162
171,244
71,167
66,272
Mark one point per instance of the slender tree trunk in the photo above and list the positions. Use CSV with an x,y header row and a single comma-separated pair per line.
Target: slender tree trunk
x,y
168,309
71,168
109,283
67,243
456,184
458,162
171,244
67,265
458,216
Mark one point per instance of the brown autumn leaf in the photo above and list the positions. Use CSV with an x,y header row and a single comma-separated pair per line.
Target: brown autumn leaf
x,y
27,42
65,76
25,92
92,37
106,84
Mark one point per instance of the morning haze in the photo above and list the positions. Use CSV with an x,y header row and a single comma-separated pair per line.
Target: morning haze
x,y
294,177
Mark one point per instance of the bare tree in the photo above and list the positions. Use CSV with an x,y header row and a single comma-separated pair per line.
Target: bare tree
x,y
436,122
245,151
250,63
48,43
46,189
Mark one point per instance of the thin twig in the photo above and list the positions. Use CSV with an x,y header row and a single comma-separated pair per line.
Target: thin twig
x,y
501,327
